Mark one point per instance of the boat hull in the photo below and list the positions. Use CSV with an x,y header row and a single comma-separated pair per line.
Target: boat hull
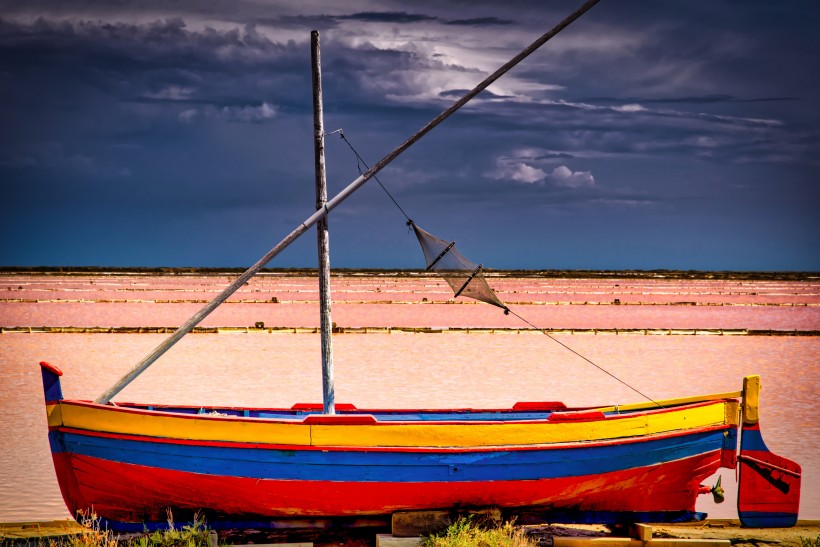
x,y
122,484
130,465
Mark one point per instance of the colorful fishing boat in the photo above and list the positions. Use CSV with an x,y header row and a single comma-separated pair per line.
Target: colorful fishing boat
x,y
240,467
134,464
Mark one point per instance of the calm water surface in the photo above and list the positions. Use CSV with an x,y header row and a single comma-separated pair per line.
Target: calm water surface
x,y
412,370
391,370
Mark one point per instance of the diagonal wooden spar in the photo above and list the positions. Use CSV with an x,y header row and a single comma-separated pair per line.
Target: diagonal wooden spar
x,y
140,367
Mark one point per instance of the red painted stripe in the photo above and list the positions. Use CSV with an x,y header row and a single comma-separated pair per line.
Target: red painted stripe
x,y
766,488
320,407
52,368
448,449
131,493
339,419
540,405
577,416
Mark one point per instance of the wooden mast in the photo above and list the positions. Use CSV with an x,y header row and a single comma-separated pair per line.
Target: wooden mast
x,y
328,395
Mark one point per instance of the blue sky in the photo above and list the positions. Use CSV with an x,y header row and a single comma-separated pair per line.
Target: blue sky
x,y
648,135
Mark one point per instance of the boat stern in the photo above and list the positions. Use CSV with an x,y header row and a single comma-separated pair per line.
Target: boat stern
x,y
769,485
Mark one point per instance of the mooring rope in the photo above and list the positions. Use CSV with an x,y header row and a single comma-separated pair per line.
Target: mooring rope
x,y
360,161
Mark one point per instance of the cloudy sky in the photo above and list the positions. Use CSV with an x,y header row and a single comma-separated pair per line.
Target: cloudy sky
x,y
663,134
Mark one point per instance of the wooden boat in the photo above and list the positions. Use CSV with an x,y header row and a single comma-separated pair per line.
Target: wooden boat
x,y
132,464
248,467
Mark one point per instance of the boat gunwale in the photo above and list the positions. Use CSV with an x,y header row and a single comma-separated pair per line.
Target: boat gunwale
x,y
345,410
593,414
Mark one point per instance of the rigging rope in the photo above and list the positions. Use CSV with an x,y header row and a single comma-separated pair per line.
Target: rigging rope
x,y
602,369
487,294
360,160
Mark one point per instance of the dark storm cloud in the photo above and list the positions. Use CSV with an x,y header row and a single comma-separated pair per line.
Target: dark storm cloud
x,y
327,21
633,130
154,116
456,94
160,61
124,126
388,17
707,99
480,21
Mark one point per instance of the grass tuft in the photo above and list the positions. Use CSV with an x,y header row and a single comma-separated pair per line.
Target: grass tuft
x,y
466,533
195,534
93,536
190,535
810,542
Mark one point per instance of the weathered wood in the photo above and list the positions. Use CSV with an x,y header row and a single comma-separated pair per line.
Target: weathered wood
x,y
677,542
581,541
40,529
418,523
389,540
751,400
642,532
298,544
629,542
322,234
423,523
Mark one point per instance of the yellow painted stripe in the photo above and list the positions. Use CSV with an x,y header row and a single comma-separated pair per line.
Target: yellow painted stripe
x,y
666,403
54,414
511,433
395,434
199,427
751,399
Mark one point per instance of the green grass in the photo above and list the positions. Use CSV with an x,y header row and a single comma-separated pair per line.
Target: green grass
x,y
466,533
190,535
810,542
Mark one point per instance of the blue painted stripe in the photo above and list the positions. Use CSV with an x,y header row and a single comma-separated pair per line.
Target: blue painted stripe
x,y
51,385
766,519
384,416
730,439
752,439
392,466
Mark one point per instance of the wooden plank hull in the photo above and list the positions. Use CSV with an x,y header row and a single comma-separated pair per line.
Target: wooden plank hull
x,y
123,484
128,493
131,464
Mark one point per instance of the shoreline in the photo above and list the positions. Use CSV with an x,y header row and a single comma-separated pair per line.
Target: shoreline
x,y
399,272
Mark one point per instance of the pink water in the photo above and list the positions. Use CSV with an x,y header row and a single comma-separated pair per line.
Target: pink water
x,y
415,301
404,369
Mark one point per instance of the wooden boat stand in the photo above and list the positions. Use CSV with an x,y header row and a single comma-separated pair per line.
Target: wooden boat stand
x,y
641,537
409,527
